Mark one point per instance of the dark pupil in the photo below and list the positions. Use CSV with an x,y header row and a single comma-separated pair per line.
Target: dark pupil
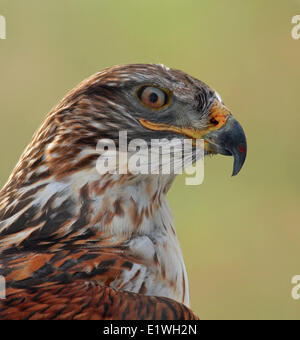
x,y
153,97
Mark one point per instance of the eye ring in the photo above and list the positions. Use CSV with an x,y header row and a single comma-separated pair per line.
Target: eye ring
x,y
153,96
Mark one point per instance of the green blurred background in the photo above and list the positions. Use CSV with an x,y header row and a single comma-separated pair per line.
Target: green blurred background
x,y
240,236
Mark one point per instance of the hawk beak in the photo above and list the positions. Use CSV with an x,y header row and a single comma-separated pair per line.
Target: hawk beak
x,y
229,140
224,135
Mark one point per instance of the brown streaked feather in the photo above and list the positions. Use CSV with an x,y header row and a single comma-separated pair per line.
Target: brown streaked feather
x,y
84,300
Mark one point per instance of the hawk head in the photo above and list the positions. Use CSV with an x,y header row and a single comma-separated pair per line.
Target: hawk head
x,y
147,101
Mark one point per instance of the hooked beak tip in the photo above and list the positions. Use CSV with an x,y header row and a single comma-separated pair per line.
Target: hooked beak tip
x,y
238,163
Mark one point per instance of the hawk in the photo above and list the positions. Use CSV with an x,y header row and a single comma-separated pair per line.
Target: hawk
x,y
75,244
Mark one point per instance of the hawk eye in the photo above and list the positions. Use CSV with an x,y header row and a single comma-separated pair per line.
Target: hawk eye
x,y
152,97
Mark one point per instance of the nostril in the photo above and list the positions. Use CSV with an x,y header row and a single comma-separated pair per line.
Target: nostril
x,y
213,121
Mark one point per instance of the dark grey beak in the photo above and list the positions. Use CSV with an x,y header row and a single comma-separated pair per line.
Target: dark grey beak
x,y
230,140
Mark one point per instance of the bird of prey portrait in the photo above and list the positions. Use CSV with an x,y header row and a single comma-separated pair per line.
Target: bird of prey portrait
x,y
76,244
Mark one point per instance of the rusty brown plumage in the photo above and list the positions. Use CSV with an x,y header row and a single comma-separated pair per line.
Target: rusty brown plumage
x,y
89,301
